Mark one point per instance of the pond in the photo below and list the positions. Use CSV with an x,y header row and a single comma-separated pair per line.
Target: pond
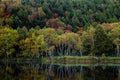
x,y
37,71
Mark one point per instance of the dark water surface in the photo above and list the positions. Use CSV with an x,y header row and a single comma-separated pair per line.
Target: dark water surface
x,y
36,71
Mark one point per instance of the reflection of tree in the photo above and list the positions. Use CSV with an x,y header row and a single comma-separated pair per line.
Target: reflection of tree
x,y
118,68
98,73
66,73
54,72
6,73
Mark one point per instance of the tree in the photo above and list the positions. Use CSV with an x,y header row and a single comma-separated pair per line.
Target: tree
x,y
16,22
1,21
26,40
41,13
49,35
40,45
85,42
114,35
8,39
56,23
60,44
117,43
78,45
68,44
91,33
23,34
27,47
102,42
9,20
88,39
109,26
75,20
46,8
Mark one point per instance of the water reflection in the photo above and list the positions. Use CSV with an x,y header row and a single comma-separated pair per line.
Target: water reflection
x,y
35,71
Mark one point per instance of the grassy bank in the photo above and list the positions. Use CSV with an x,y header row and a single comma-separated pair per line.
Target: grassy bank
x,y
21,59
68,60
80,60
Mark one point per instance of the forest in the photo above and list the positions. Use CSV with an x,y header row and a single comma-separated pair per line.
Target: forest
x,y
34,28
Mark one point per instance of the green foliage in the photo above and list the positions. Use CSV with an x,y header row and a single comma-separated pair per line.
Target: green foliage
x,y
103,55
114,35
31,38
88,40
49,42
73,12
40,44
8,39
68,43
102,42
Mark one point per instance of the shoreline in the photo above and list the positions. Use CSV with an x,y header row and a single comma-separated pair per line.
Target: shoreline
x,y
80,60
67,60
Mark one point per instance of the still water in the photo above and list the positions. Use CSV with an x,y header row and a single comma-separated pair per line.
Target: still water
x,y
36,71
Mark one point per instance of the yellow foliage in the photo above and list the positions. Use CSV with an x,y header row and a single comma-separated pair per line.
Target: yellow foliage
x,y
109,26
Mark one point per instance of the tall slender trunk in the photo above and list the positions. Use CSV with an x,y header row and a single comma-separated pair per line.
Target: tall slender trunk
x,y
59,50
1,23
80,52
93,41
62,48
5,56
92,46
81,68
118,68
67,50
118,50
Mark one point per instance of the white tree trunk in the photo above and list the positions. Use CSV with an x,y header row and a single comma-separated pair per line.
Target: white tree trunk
x,y
80,52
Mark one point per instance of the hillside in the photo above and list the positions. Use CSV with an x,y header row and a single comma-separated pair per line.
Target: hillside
x,y
33,28
58,13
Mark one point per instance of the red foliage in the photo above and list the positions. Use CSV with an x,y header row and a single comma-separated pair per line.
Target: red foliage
x,y
5,15
92,17
67,31
55,15
80,28
45,20
69,27
56,23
